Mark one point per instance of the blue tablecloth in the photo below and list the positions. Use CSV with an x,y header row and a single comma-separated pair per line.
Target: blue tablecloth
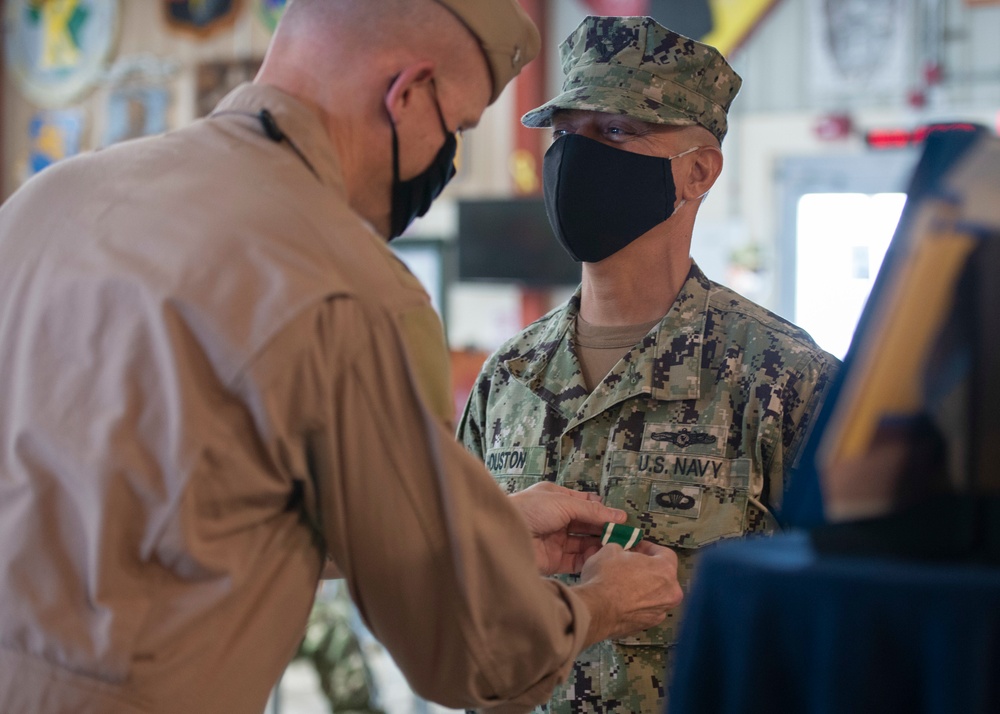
x,y
772,626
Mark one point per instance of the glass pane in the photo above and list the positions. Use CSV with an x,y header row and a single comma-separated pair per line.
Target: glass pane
x,y
841,240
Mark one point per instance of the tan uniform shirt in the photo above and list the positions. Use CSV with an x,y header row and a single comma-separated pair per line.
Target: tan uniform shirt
x,y
212,370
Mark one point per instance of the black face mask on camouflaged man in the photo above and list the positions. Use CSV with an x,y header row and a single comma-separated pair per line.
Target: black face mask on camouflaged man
x,y
599,198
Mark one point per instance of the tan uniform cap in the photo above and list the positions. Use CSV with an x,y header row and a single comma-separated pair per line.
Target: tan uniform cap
x,y
507,35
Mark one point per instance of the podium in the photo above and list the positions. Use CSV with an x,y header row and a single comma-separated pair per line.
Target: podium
x,y
776,626
912,418
885,594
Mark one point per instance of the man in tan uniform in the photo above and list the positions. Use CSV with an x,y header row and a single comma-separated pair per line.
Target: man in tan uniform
x,y
215,374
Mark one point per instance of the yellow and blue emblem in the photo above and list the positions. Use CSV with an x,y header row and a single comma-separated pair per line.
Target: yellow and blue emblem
x,y
58,49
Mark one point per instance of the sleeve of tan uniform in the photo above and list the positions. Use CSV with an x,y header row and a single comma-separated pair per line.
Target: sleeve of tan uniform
x,y
438,562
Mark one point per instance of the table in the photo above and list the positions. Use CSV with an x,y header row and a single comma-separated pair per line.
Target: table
x,y
773,626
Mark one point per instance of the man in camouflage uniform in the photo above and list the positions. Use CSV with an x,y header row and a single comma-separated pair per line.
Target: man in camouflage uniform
x,y
334,649
669,395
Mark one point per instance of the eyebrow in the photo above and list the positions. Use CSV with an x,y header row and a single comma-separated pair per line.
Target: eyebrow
x,y
585,116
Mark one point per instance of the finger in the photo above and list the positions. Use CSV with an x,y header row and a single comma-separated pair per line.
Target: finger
x,y
648,548
585,543
582,495
589,527
580,543
615,515
601,513
594,512
569,565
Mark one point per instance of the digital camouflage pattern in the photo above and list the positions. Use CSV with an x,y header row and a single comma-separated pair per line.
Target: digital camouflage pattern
x,y
333,648
692,433
637,67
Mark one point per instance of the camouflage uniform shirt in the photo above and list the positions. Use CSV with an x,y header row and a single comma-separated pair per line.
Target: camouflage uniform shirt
x,y
692,433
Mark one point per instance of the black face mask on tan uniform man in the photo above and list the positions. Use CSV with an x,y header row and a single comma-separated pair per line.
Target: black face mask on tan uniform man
x,y
599,198
413,198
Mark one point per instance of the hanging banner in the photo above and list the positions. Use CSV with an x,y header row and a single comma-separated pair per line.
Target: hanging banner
x,y
57,49
724,24
201,17
733,21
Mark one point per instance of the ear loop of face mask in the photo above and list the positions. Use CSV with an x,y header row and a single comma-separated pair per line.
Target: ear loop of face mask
x,y
683,201
395,138
413,197
437,105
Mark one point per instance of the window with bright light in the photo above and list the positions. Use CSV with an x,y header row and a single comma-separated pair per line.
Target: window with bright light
x,y
841,240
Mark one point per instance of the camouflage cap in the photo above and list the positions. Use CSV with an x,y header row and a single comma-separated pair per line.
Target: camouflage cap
x,y
637,67
507,36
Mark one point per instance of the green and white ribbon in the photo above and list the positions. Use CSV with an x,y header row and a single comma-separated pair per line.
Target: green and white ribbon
x,y
625,536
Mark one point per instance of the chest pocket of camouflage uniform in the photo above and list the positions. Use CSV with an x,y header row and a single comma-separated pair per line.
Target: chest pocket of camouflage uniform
x,y
680,501
516,467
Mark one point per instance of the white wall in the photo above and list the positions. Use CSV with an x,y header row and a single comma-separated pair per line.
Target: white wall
x,y
781,102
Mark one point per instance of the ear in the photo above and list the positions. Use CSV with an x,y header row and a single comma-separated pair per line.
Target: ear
x,y
703,169
399,98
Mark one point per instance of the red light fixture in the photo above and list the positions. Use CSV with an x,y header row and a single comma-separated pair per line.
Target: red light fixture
x,y
901,138
834,127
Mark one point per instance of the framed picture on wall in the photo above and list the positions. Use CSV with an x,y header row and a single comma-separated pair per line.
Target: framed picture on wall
x,y
200,17
214,80
135,111
56,51
53,135
859,46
